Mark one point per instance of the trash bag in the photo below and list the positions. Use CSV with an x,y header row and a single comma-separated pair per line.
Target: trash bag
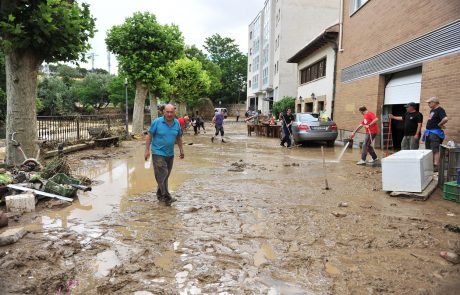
x,y
60,184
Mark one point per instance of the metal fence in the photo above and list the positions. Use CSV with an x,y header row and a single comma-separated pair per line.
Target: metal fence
x,y
69,128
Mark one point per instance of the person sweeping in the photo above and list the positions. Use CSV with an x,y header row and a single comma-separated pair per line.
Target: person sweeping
x,y
369,122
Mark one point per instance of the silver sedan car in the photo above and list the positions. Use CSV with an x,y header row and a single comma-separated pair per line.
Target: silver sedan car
x,y
310,127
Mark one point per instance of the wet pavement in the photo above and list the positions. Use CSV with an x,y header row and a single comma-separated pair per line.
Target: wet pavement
x,y
251,218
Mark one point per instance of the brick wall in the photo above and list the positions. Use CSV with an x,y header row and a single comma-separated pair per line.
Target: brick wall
x,y
441,78
383,24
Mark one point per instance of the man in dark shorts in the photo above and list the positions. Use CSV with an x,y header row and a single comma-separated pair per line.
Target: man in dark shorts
x,y
434,134
218,122
412,127
287,120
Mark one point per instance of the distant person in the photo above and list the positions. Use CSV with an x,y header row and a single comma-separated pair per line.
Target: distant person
x,y
161,110
182,122
218,121
286,119
200,122
163,133
237,115
434,134
412,127
370,124
247,114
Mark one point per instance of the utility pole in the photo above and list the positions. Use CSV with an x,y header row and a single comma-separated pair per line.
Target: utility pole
x,y
108,61
93,55
126,108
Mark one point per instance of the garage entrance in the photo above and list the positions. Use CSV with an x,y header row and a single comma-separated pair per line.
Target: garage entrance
x,y
401,88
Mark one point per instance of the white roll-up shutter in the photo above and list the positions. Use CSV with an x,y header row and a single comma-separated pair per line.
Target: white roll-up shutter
x,y
404,87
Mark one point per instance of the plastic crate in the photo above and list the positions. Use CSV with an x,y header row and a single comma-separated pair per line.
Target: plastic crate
x,y
452,191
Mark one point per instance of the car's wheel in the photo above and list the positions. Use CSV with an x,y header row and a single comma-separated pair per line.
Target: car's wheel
x,y
330,143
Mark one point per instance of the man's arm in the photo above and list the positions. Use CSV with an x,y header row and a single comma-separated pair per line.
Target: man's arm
x,y
356,130
419,129
397,118
148,141
213,121
443,122
181,146
373,122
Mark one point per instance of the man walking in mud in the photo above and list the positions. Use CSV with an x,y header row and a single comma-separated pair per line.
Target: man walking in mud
x,y
163,133
218,122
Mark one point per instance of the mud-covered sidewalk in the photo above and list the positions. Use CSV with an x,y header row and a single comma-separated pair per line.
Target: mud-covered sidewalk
x,y
251,218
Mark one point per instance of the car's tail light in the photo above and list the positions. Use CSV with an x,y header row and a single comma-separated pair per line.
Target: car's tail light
x,y
333,127
303,127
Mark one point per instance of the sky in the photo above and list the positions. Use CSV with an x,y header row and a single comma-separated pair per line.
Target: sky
x,y
197,19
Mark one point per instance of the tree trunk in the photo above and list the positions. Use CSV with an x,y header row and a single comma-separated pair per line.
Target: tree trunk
x,y
21,114
139,103
153,107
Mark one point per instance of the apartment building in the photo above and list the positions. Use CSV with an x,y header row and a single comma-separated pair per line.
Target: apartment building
x,y
395,52
316,73
278,31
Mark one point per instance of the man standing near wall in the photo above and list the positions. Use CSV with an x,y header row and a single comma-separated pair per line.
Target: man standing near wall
x,y
412,127
287,120
370,124
434,134
163,133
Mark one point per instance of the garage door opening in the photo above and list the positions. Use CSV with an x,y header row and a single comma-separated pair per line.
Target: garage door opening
x,y
401,88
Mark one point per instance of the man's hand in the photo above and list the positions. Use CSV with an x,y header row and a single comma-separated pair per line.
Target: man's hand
x,y
416,137
391,116
146,155
352,136
181,155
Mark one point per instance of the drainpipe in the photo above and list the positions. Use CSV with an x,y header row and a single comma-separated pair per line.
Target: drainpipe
x,y
341,26
334,78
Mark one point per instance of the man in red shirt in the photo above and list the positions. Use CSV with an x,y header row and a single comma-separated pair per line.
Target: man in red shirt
x,y
182,122
370,124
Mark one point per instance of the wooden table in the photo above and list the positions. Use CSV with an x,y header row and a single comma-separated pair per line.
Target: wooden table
x,y
265,130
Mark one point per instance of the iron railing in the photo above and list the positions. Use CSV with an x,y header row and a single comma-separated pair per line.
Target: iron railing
x,y
71,128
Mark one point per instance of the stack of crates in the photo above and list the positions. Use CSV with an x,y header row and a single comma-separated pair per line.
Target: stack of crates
x,y
452,191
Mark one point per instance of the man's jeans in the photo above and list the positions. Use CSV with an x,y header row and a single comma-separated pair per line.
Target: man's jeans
x,y
162,167
409,143
367,147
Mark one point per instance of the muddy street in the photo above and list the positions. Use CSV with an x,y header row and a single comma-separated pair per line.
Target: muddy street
x,y
251,218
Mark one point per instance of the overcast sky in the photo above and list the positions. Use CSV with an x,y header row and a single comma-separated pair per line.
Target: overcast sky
x,y
197,19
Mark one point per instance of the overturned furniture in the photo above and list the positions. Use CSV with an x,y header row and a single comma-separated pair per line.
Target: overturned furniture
x,y
102,137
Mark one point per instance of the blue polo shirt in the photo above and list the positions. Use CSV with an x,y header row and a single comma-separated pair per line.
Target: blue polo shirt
x,y
164,137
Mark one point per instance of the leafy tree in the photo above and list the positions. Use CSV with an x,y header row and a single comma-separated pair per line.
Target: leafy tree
x,y
145,49
92,91
54,97
232,62
32,32
283,104
116,89
189,81
212,69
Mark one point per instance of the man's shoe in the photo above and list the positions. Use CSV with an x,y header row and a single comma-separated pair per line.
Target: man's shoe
x,y
223,140
169,201
373,160
361,162
161,199
212,139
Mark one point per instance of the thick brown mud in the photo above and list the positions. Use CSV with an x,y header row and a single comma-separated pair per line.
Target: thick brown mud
x,y
251,218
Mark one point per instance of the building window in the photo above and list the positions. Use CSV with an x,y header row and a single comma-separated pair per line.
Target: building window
x,y
320,106
255,62
250,35
250,67
313,72
309,107
265,76
356,4
249,83
255,80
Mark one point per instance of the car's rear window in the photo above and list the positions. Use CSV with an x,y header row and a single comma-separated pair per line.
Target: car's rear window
x,y
308,117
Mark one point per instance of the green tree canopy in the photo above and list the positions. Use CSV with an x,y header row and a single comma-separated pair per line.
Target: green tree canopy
x,y
283,104
189,81
55,97
93,90
116,88
145,49
232,62
212,69
32,32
